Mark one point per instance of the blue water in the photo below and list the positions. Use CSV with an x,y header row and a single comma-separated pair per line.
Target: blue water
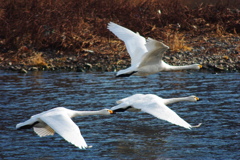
x,y
124,135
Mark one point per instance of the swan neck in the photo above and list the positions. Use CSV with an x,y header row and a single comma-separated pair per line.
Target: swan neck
x,y
86,113
174,100
175,68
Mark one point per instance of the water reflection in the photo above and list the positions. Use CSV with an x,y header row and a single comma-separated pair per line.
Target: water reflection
x,y
124,135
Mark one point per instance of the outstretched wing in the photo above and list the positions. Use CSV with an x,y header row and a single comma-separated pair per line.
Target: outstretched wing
x,y
155,52
65,127
126,103
161,111
153,105
131,99
135,43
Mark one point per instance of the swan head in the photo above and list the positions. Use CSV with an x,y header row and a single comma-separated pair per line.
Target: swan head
x,y
197,66
194,98
106,111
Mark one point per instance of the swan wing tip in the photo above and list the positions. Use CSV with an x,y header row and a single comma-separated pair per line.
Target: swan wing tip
x,y
110,25
84,147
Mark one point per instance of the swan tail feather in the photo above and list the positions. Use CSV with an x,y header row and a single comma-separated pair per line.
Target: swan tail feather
x,y
196,126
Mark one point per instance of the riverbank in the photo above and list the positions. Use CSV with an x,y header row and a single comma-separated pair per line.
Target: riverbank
x,y
67,35
218,54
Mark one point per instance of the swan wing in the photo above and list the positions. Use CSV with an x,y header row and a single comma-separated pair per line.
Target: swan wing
x,y
44,131
131,99
161,111
65,127
40,128
27,124
121,105
155,52
127,103
135,43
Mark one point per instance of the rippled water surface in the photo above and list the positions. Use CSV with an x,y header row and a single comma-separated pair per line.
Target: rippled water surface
x,y
124,135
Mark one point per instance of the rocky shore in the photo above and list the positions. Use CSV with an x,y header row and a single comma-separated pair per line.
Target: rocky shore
x,y
67,35
216,54
220,54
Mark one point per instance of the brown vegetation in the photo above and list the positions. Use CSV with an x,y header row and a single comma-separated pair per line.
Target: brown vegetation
x,y
48,29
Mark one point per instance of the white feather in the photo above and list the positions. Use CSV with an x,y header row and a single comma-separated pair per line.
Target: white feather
x,y
155,106
146,57
59,120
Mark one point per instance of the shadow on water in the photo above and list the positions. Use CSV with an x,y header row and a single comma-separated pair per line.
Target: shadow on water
x,y
124,135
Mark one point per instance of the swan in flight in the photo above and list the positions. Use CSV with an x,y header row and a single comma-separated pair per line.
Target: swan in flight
x,y
155,106
59,120
146,55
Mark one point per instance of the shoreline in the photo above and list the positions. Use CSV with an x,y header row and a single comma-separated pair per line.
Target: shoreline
x,y
55,36
215,54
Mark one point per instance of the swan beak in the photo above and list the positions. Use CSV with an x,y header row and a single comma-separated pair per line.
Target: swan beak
x,y
111,111
200,66
197,99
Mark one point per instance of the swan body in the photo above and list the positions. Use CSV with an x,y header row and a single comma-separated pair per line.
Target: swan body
x,y
146,55
155,106
59,120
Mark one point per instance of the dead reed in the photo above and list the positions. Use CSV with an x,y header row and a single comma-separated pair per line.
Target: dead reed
x,y
70,26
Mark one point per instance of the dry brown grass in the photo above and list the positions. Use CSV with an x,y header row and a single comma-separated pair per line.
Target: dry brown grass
x,y
69,26
220,30
36,59
176,42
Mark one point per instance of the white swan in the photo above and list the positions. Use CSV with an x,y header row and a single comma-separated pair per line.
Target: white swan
x,y
146,55
59,120
155,106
